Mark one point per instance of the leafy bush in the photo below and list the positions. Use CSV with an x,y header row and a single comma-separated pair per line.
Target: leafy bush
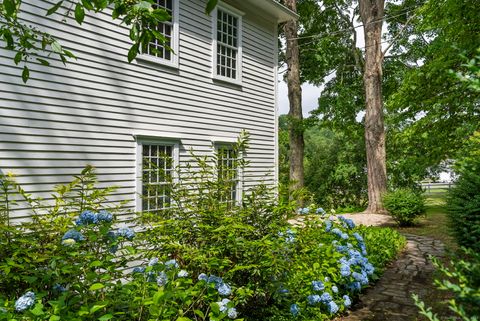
x,y
462,280
405,205
74,262
463,199
70,265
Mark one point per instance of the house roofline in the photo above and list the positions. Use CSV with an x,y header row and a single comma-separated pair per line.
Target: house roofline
x,y
279,11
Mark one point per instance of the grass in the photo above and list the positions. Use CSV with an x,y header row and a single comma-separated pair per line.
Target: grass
x,y
435,222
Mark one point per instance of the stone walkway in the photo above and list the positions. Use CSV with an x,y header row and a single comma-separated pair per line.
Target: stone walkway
x,y
391,297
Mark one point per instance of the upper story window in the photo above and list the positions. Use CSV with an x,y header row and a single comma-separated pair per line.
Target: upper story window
x,y
166,53
227,44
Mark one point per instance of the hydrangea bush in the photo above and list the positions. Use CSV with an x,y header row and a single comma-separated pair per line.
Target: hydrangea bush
x,y
206,259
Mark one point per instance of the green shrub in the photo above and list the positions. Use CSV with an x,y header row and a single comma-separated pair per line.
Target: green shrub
x,y
405,205
463,199
461,278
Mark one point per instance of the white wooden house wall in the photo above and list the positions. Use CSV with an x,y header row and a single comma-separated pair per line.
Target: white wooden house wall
x,y
89,111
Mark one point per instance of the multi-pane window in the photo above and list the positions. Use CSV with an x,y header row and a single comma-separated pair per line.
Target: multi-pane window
x,y
228,174
157,48
157,177
228,45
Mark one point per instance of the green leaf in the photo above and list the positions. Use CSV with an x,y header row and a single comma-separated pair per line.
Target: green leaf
x,y
105,317
18,58
211,4
132,53
54,8
95,264
10,7
95,308
79,13
69,54
25,74
54,318
184,319
87,4
56,47
96,286
43,62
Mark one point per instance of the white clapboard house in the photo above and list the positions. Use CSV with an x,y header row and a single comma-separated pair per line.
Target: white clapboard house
x,y
101,110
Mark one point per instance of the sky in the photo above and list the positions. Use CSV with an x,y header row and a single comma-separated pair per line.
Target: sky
x,y
310,94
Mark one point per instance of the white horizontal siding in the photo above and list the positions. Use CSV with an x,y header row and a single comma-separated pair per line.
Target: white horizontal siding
x,y
88,112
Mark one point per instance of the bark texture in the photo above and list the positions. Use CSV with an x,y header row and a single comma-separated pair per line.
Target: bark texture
x,y
295,100
371,13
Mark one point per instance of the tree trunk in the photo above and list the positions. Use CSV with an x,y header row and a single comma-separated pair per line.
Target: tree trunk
x,y
371,13
295,99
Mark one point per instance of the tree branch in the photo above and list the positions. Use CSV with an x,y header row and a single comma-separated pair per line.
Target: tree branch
x,y
395,38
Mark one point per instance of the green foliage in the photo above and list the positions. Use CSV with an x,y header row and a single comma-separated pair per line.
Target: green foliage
x,y
463,199
31,44
461,278
78,271
405,205
384,244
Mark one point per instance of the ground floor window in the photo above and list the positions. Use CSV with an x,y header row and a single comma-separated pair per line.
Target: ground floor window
x,y
157,173
228,174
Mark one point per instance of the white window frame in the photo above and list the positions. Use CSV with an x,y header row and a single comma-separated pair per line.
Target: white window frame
x,y
239,188
175,45
239,15
140,141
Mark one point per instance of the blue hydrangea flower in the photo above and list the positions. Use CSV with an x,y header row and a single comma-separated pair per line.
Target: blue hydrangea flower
x,y
294,309
326,297
126,233
224,290
358,237
328,225
369,268
74,235
318,286
334,289
182,274
303,211
354,286
215,279
203,277
360,277
327,279
342,248
232,313
283,291
87,217
104,216
337,232
332,307
223,305
344,236
320,211
153,261
162,279
346,222
58,288
25,302
172,264
346,301
139,269
345,270
313,299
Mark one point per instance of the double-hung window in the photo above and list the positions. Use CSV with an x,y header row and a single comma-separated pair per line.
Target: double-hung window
x,y
157,164
157,51
228,174
227,27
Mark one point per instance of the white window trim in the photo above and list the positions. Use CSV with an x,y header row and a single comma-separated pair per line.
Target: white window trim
x,y
239,187
140,141
174,62
238,14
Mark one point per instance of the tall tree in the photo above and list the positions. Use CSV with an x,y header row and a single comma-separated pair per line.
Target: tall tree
x,y
372,15
295,99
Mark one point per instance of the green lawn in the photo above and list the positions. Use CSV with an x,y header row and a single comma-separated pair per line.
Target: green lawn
x,y
435,222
